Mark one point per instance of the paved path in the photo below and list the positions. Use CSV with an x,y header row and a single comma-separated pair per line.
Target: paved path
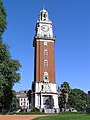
x,y
20,117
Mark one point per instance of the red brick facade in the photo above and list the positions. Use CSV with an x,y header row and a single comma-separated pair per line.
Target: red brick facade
x,y
39,58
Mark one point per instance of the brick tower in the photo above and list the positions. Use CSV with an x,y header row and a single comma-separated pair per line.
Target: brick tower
x,y
44,86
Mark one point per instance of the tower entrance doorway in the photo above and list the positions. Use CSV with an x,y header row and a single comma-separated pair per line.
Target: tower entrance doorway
x,y
48,101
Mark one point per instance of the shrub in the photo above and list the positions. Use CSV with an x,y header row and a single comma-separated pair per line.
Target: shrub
x,y
35,110
88,109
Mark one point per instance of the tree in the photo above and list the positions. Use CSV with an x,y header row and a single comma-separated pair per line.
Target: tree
x,y
8,76
8,68
3,22
77,99
88,99
29,95
88,103
15,103
72,98
63,91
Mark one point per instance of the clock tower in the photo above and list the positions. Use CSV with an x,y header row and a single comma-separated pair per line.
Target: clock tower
x,y
44,95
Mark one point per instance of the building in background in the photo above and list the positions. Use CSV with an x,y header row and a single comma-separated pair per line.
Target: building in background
x,y
23,99
44,94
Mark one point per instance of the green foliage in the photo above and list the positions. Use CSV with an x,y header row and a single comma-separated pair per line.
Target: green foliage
x,y
2,18
88,109
77,99
35,110
63,91
67,86
15,103
88,104
8,76
8,68
29,96
88,100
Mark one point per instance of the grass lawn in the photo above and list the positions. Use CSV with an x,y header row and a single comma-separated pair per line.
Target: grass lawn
x,y
66,116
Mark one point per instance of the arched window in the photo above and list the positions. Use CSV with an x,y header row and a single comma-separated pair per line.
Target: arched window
x,y
42,87
44,15
45,63
45,76
45,52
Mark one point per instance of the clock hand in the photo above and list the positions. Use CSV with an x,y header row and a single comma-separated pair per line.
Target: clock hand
x,y
44,28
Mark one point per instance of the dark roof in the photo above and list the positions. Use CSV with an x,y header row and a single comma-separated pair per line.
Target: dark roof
x,y
21,94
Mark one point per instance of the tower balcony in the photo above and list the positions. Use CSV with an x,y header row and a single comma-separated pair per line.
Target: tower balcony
x,y
43,37
46,37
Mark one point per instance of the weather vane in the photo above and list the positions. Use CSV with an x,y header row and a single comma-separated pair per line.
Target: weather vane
x,y
43,5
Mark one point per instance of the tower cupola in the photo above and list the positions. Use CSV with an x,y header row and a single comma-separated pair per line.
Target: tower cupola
x,y
43,16
44,25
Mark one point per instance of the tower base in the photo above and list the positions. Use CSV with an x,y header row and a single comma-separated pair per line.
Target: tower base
x,y
55,110
46,99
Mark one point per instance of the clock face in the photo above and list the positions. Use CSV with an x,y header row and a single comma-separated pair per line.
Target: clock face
x,y
45,28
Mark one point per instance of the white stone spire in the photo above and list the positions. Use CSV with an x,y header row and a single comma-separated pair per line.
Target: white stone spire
x,y
43,16
44,26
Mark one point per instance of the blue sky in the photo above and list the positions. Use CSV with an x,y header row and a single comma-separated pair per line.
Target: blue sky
x,y
71,24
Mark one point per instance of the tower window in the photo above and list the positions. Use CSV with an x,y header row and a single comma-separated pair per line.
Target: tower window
x,y
45,42
44,15
45,76
41,16
42,87
45,52
45,63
